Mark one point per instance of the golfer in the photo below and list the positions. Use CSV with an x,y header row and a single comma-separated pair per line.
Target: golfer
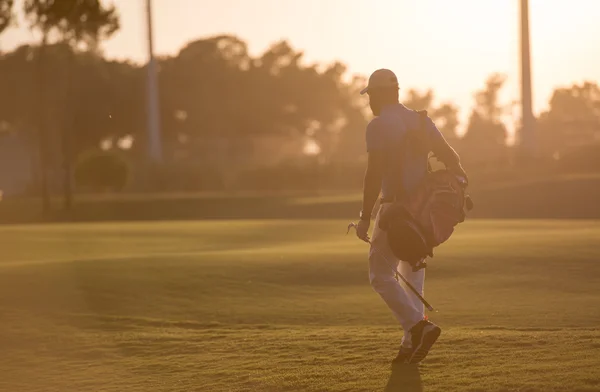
x,y
391,173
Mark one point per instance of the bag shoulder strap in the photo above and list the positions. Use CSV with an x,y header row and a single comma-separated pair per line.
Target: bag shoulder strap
x,y
414,138
423,135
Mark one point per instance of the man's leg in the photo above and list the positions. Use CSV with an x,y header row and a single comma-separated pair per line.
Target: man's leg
x,y
382,273
419,334
417,280
423,335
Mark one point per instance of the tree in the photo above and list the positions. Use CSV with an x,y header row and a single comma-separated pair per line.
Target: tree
x,y
485,138
445,117
74,22
220,107
109,106
5,14
486,100
572,119
251,101
419,101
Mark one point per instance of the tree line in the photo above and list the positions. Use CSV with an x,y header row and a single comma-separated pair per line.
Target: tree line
x,y
228,119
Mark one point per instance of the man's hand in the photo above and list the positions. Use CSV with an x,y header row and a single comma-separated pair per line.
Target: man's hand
x,y
458,170
362,230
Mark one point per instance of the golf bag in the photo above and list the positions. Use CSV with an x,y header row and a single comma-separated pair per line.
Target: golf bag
x,y
422,220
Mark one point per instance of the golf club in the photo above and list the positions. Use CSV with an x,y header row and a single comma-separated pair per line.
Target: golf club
x,y
427,305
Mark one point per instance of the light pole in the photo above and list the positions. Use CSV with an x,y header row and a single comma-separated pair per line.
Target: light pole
x,y
153,115
528,144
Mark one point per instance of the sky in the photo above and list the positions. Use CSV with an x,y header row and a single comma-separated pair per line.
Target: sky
x,y
450,46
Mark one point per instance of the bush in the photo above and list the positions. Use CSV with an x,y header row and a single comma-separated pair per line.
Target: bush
x,y
303,176
582,159
100,171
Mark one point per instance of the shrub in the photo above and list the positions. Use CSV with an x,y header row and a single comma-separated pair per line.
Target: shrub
x,y
102,171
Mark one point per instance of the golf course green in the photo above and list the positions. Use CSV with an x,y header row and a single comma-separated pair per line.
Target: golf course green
x,y
285,305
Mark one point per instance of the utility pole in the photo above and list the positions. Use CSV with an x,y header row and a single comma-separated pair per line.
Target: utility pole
x,y
154,136
528,142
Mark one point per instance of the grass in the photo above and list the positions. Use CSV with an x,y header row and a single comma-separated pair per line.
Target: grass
x,y
285,305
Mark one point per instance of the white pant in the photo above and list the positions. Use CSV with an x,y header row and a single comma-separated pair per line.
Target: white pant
x,y
404,304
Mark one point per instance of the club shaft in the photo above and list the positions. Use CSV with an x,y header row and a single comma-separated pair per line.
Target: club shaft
x,y
410,286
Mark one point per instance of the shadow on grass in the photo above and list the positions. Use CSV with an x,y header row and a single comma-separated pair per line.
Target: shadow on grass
x,y
404,378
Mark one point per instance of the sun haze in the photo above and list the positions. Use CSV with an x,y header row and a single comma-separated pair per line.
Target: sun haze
x,y
449,46
233,215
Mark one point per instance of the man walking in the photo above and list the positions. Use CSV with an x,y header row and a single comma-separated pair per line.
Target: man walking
x,y
393,171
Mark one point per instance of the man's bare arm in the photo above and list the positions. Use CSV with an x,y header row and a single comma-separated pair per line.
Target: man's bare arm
x,y
372,182
447,155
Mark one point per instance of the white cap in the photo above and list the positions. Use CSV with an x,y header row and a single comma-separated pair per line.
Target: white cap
x,y
381,78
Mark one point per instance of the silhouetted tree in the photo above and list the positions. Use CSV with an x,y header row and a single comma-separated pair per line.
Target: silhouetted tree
x,y
446,119
485,138
76,23
350,145
419,101
445,115
219,100
6,14
223,111
572,119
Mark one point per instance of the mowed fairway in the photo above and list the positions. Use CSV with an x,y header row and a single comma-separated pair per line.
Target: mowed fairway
x,y
286,306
